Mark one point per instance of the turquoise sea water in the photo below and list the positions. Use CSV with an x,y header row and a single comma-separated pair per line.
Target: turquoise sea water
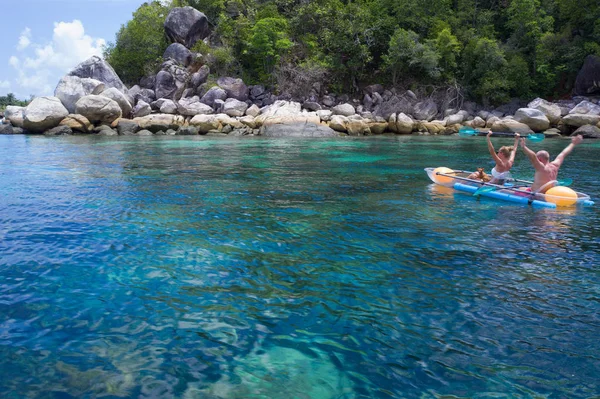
x,y
198,267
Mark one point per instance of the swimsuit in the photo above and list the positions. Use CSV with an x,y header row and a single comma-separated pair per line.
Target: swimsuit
x,y
500,176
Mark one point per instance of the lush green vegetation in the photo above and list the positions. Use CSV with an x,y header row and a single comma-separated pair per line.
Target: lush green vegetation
x,y
10,99
492,49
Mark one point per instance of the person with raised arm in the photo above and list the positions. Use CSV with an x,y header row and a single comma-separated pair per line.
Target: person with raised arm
x,y
546,171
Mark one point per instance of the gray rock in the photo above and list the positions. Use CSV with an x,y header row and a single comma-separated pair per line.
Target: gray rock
x,y
60,130
586,107
328,101
425,110
411,95
297,130
127,127
186,25
588,78
72,88
98,109
179,53
192,106
6,128
144,132
142,108
235,88
168,107
120,99
147,82
578,120
552,111
187,93
233,107
104,130
393,105
311,106
96,68
534,118
14,115
213,94
257,92
165,85
199,77
588,131
344,110
218,106
43,113
187,131
253,110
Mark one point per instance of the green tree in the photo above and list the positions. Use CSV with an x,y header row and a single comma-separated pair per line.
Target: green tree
x,y
408,56
484,71
268,41
448,47
140,43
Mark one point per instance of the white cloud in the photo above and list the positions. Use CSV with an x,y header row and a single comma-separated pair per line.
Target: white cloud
x,y
4,84
24,39
14,62
42,65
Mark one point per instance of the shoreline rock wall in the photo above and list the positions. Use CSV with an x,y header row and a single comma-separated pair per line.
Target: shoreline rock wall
x,y
178,100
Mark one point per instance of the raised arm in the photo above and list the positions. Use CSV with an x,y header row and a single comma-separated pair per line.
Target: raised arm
x,y
513,153
561,157
531,155
491,148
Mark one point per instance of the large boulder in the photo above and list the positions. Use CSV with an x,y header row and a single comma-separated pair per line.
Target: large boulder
x,y
156,122
214,93
551,110
586,107
165,86
588,78
78,123
535,119
511,125
588,131
96,68
192,106
43,113
282,112
120,99
297,130
425,110
186,25
205,123
343,109
394,105
179,53
72,88
235,88
404,124
233,107
98,109
14,114
581,119
142,108
168,107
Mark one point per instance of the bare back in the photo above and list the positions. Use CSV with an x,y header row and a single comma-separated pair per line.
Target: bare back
x,y
544,174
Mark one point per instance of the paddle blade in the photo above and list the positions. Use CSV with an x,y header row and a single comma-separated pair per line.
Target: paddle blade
x,y
565,182
483,190
536,137
466,131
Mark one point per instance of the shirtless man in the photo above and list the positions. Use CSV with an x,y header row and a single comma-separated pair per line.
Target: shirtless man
x,y
546,171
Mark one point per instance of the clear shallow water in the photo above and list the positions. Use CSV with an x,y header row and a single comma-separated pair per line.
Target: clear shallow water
x,y
250,268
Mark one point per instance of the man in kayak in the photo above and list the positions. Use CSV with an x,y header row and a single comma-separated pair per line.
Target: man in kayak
x,y
546,171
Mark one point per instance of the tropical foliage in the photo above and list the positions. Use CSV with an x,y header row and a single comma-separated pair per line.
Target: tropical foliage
x,y
493,49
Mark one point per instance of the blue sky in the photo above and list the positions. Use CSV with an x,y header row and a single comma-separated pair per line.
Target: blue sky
x,y
43,39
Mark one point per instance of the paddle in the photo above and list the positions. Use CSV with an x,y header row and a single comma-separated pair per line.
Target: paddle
x,y
466,131
486,189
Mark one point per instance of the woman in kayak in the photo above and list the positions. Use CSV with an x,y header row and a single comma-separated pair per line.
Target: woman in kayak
x,y
504,159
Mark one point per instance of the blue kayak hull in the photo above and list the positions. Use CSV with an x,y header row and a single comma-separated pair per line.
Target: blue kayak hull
x,y
505,196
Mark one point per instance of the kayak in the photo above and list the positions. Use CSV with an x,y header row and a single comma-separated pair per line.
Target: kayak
x,y
514,190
